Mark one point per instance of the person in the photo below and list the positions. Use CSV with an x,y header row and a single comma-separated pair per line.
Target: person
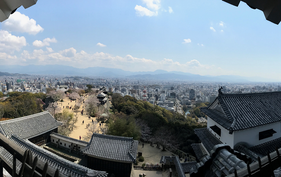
x,y
79,137
83,122
92,120
142,145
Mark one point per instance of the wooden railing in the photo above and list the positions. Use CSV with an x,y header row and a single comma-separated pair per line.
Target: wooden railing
x,y
31,166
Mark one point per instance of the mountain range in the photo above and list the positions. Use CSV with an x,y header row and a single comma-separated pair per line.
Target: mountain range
x,y
62,70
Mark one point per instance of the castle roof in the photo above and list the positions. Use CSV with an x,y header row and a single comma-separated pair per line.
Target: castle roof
x,y
29,126
243,111
113,148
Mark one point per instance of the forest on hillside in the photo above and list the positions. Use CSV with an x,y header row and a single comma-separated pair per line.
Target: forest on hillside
x,y
151,123
19,104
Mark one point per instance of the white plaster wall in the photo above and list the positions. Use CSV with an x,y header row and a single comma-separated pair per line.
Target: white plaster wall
x,y
251,136
225,137
67,143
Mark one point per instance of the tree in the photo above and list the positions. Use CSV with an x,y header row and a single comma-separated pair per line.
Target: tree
x,y
145,130
124,127
1,94
56,95
164,138
91,105
81,92
2,110
74,96
68,120
53,108
89,88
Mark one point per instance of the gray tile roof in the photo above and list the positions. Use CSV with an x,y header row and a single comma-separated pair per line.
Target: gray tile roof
x,y
221,162
113,148
29,126
69,139
207,138
249,110
267,147
217,117
187,166
244,149
198,150
64,166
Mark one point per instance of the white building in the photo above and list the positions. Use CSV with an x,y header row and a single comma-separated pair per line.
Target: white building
x,y
248,123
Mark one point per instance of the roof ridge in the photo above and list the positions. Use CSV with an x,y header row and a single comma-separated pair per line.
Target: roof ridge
x,y
67,137
226,111
250,94
113,136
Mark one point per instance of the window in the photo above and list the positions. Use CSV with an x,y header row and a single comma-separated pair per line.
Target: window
x,y
216,129
266,134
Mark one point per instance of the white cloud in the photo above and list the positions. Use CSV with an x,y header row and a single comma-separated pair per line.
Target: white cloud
x,y
69,52
151,9
49,49
99,59
5,56
221,24
212,28
45,42
222,31
21,23
11,43
152,4
142,11
170,10
186,41
101,45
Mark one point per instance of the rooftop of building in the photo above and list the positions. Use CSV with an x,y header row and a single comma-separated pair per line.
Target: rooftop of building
x,y
113,148
29,126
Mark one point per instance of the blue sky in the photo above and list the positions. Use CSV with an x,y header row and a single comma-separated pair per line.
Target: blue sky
x,y
207,37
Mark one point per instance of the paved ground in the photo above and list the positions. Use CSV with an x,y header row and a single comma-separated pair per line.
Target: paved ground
x,y
80,128
152,154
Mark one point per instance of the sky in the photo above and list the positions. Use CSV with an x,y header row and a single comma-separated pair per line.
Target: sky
x,y
206,37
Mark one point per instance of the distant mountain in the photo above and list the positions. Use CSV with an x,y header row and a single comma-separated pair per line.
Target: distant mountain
x,y
11,74
115,73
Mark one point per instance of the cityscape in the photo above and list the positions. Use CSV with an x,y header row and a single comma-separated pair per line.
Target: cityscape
x,y
145,88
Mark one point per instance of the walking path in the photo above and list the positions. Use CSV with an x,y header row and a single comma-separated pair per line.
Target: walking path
x,y
80,129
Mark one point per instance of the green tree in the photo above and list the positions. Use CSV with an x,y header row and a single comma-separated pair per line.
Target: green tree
x,y
124,127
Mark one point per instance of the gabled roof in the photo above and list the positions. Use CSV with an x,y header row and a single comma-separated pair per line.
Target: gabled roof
x,y
243,111
29,126
112,148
